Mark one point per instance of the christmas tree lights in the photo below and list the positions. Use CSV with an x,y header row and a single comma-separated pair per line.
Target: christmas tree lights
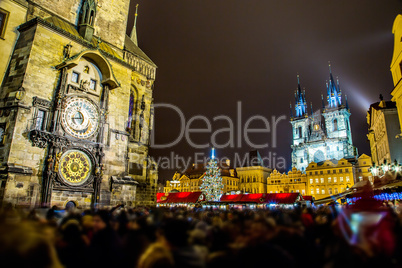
x,y
212,185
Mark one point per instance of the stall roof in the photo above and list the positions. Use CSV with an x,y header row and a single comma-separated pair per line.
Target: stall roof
x,y
278,198
307,197
181,197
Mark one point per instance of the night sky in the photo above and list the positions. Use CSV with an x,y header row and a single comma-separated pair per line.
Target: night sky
x,y
212,54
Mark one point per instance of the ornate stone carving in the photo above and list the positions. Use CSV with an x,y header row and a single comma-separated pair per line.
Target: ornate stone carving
x,y
36,101
41,139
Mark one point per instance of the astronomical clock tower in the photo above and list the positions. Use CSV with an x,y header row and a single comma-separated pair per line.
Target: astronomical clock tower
x,y
76,109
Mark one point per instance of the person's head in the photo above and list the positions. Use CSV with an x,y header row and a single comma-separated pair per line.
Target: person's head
x,y
27,245
157,255
101,220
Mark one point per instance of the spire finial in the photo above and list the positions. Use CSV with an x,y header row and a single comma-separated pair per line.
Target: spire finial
x,y
298,78
133,35
213,153
329,66
136,14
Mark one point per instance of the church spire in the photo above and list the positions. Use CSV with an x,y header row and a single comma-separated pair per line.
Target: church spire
x,y
133,35
333,91
300,99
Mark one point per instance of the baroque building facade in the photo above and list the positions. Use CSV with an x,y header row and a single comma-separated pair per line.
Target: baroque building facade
x,y
383,127
396,68
294,181
76,108
322,179
324,134
191,179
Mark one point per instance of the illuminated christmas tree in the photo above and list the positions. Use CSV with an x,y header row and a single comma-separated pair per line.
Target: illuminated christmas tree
x,y
212,185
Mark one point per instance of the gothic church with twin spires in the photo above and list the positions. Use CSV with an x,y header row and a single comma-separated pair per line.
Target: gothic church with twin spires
x,y
323,134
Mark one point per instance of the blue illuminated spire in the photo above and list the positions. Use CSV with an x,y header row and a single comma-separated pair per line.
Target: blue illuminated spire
x,y
300,100
213,153
333,91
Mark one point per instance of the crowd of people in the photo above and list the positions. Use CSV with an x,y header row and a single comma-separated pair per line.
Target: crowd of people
x,y
369,235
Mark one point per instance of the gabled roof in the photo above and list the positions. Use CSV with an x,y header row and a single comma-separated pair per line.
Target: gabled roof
x,y
131,47
71,30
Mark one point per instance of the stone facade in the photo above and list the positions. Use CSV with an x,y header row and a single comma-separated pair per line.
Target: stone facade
x,y
15,11
396,69
293,182
191,179
323,134
253,179
76,115
383,127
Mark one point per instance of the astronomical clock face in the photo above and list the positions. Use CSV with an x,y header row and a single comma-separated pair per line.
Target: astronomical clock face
x,y
80,118
75,167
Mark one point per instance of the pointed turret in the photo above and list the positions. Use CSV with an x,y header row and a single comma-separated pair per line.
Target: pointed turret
x,y
333,91
346,102
133,35
300,99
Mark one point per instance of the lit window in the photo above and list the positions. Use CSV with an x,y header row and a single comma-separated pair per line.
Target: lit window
x,y
297,191
312,191
322,191
3,22
336,190
322,180
329,180
316,180
347,178
330,191
341,179
303,192
311,181
318,191
334,179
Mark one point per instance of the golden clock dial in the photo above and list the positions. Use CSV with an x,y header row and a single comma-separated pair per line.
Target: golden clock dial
x,y
80,117
75,167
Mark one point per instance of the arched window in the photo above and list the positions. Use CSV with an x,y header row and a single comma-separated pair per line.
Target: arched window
x,y
300,132
130,111
335,124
